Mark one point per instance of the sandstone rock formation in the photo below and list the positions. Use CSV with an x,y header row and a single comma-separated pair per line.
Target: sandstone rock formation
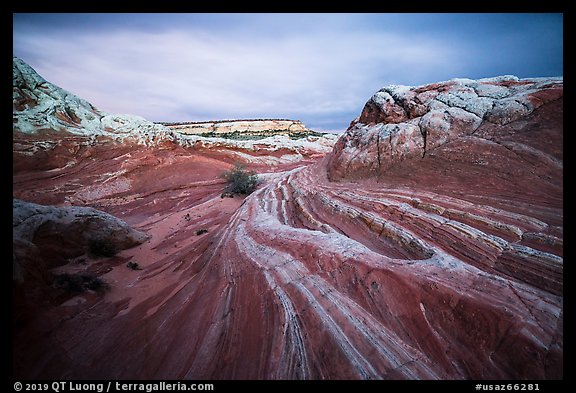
x,y
274,150
40,107
249,126
49,235
445,266
401,122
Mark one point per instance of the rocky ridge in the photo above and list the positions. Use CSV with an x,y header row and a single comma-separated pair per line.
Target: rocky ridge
x,y
402,122
246,126
40,106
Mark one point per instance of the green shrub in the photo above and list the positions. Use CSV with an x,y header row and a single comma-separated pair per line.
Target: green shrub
x,y
240,181
133,266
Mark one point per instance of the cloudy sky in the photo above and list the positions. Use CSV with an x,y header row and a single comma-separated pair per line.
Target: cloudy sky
x,y
318,68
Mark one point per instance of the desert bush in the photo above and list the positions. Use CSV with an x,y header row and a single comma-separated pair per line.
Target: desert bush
x,y
201,232
240,181
133,266
79,282
102,248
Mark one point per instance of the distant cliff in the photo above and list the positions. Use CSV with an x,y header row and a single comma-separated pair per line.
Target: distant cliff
x,y
247,127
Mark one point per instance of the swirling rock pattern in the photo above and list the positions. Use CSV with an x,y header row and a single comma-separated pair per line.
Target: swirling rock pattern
x,y
447,266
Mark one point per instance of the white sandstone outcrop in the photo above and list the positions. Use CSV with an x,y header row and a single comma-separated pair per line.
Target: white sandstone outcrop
x,y
400,122
39,105
244,126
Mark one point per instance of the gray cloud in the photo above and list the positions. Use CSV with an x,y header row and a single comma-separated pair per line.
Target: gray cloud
x,y
319,73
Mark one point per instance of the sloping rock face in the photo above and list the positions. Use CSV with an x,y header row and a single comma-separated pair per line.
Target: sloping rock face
x,y
447,266
401,122
388,281
39,105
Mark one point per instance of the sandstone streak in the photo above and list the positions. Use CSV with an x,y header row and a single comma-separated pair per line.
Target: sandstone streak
x,y
437,253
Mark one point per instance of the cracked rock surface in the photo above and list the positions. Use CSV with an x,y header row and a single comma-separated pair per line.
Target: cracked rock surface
x,y
415,120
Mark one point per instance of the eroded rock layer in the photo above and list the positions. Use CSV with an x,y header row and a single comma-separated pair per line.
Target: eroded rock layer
x,y
403,122
419,277
447,266
40,107
249,126
385,281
